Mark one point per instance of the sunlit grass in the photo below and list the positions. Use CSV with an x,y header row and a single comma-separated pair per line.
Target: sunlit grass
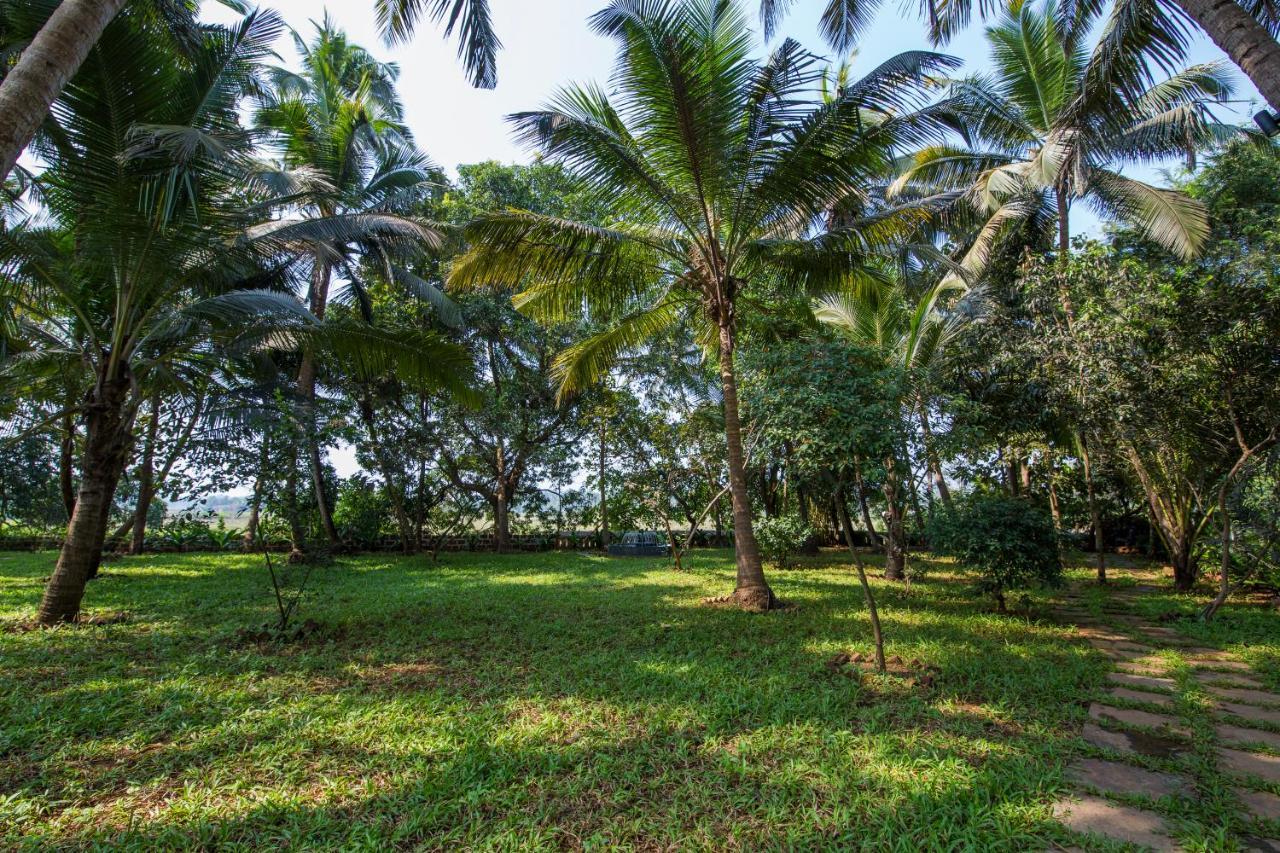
x,y
534,700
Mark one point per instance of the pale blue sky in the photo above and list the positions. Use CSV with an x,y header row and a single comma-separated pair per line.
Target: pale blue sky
x,y
547,44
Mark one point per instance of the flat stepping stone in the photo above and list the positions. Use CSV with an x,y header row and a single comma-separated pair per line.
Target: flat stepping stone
x,y
1132,742
1251,844
1259,804
1119,646
1141,682
1219,665
1112,777
1226,679
1139,696
1202,653
1228,733
1101,635
1142,668
1130,717
1250,763
1249,697
1252,713
1095,816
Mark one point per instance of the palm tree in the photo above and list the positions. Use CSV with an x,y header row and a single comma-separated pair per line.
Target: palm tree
x,y
144,262
340,120
911,333
1245,30
721,169
55,38
1054,124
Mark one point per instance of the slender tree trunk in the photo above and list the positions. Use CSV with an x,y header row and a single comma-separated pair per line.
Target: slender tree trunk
x,y
931,454
842,508
1055,508
146,479
255,503
307,392
865,509
107,442
751,590
43,70
297,531
895,553
1095,513
66,464
1239,35
604,497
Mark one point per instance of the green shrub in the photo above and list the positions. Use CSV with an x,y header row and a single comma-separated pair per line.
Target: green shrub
x,y
1010,543
362,513
782,537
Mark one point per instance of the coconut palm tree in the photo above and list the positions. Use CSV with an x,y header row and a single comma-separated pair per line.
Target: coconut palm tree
x,y
1054,124
143,260
721,169
911,332
340,120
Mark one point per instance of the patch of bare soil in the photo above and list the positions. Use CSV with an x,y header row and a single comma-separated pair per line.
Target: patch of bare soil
x,y
912,673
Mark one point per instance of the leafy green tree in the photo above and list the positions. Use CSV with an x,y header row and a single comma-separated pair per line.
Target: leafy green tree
x,y
912,335
837,406
717,165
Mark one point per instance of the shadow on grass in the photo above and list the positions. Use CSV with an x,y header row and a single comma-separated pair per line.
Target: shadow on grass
x,y
542,698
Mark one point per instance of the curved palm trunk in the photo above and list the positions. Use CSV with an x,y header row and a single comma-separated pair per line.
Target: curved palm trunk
x,y
107,442
751,589
43,69
1239,35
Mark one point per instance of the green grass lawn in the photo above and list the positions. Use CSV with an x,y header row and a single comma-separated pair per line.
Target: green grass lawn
x,y
531,701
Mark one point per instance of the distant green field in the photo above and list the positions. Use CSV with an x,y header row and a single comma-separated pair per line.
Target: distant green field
x,y
535,701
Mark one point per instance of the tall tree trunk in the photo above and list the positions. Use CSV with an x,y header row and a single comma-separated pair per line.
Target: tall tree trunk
x,y
604,497
66,464
895,539
842,508
501,518
1095,513
751,590
146,479
319,298
1239,35
43,70
108,434
931,454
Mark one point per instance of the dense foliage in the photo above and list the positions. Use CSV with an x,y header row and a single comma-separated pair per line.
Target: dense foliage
x,y
1009,544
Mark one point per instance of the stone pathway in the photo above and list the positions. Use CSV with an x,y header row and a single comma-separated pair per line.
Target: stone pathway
x,y
1163,737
